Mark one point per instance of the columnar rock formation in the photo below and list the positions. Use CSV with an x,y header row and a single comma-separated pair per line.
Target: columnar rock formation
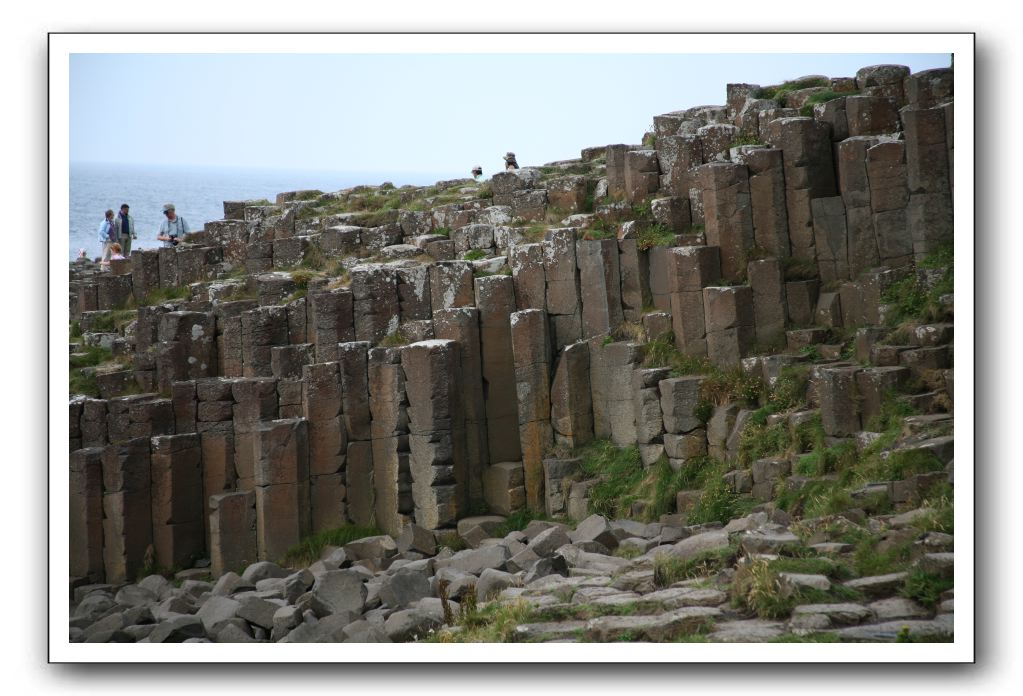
x,y
314,362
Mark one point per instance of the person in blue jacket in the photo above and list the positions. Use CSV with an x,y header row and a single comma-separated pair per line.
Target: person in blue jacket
x,y
107,236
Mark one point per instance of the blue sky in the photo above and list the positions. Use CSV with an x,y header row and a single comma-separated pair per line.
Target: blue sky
x,y
400,112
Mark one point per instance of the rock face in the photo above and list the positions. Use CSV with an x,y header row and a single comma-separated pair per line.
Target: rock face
x,y
693,298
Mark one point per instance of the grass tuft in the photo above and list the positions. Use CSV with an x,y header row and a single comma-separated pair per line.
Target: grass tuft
x,y
309,549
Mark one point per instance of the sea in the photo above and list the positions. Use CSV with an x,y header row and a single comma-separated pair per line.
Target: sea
x,y
198,194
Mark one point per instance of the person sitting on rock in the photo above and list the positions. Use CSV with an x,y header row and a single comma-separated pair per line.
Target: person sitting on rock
x,y
115,252
477,172
509,161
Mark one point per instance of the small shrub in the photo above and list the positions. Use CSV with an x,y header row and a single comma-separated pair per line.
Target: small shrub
x,y
758,440
474,255
393,340
703,411
621,473
820,98
745,139
799,269
757,588
789,390
654,235
314,258
515,522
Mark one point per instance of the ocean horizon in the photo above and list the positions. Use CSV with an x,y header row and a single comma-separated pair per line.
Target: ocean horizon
x,y
198,193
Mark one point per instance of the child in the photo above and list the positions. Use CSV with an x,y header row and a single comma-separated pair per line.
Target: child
x,y
115,252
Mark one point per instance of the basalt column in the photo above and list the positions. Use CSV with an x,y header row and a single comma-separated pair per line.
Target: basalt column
x,y
332,322
564,307
354,372
177,499
462,325
187,348
127,509
281,480
392,480
328,444
436,442
689,270
729,215
495,298
86,513
531,350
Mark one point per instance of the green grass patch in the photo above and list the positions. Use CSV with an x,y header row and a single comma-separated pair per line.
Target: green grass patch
x,y
799,269
393,340
812,566
655,234
114,320
83,382
745,139
474,255
759,440
161,295
90,357
621,473
925,588
902,464
309,549
820,98
671,569
910,300
869,559
494,623
758,588
721,386
515,522
780,92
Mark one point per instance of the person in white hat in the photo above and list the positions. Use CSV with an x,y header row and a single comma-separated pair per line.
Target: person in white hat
x,y
173,228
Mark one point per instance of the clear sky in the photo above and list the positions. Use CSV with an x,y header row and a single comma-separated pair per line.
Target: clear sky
x,y
401,112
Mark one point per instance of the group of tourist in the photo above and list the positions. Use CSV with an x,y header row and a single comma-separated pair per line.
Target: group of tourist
x,y
116,232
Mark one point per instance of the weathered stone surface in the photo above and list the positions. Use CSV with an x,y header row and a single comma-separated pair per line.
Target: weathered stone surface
x,y
127,509
531,352
86,513
728,214
767,199
504,487
451,284
338,591
679,398
869,115
599,274
495,298
836,389
437,440
404,587
657,627
232,531
555,474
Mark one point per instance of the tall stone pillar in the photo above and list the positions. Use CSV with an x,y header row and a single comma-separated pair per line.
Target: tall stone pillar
x,y
531,350
436,443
